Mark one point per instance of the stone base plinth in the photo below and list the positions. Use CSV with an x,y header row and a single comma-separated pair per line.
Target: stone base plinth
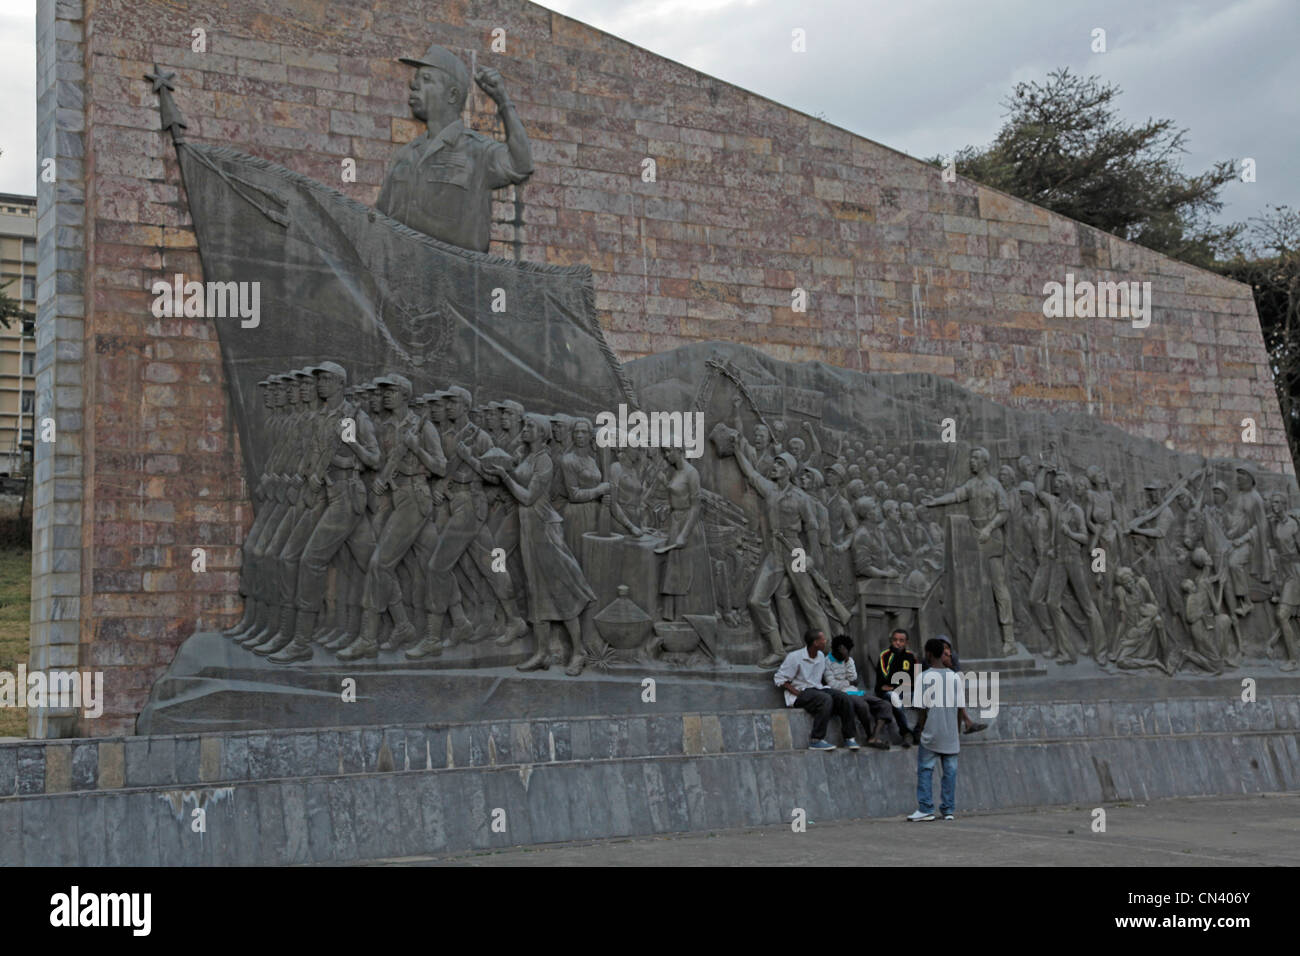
x,y
369,793
214,684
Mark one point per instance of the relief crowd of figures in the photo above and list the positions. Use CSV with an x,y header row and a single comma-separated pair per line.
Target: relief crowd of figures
x,y
390,520
1163,586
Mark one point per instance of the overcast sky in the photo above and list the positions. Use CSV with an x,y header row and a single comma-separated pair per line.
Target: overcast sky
x,y
927,76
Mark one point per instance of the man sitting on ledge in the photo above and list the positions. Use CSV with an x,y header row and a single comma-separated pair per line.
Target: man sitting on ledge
x,y
896,659
802,675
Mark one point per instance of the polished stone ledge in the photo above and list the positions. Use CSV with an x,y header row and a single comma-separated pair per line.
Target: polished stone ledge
x,y
35,767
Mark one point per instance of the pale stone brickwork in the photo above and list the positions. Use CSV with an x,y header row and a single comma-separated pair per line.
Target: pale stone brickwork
x,y
904,272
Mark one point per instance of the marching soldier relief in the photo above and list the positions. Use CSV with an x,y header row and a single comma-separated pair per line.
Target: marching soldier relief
x,y
352,503
430,497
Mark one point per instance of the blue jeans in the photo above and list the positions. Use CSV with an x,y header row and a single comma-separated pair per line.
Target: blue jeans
x,y
925,761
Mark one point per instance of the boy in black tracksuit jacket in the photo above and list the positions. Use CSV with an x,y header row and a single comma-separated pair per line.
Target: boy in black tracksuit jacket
x,y
893,660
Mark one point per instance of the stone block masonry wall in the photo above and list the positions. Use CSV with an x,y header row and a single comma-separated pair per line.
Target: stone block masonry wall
x,y
58,582
379,792
904,272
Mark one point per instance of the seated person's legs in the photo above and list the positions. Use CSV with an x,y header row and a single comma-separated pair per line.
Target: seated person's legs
x,y
817,701
842,705
900,718
871,722
879,709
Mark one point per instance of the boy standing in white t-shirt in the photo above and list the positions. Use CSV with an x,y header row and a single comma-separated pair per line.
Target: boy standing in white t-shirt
x,y
937,732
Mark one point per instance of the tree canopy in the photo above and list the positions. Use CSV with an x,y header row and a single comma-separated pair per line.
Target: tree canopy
x,y
1064,146
9,309
1267,258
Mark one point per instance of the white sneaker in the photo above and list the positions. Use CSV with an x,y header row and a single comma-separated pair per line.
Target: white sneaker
x,y
949,816
918,817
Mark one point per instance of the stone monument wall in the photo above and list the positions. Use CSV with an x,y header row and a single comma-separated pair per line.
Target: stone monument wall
x,y
750,200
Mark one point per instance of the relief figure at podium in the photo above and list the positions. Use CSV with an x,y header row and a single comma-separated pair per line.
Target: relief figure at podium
x,y
987,505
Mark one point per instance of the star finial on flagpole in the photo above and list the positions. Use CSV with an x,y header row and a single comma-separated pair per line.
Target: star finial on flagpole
x,y
161,80
172,120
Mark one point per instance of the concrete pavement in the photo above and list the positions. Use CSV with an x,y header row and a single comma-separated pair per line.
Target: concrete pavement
x,y
1248,830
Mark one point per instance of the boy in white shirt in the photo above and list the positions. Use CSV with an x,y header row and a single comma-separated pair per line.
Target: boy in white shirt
x,y
802,677
937,732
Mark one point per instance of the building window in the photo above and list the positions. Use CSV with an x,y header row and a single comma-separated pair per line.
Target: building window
x,y
29,251
29,363
29,326
29,288
29,402
28,436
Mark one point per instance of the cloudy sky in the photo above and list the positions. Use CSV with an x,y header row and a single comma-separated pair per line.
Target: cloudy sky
x,y
927,76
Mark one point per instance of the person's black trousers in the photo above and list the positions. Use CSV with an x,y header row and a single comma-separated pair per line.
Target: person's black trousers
x,y
823,703
900,718
868,710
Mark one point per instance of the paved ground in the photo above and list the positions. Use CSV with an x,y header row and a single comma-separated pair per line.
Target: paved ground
x,y
1198,831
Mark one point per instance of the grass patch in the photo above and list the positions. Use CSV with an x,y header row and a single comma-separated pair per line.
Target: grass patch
x,y
15,625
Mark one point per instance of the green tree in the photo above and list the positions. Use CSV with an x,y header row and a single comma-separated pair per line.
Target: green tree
x,y
1063,146
9,309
